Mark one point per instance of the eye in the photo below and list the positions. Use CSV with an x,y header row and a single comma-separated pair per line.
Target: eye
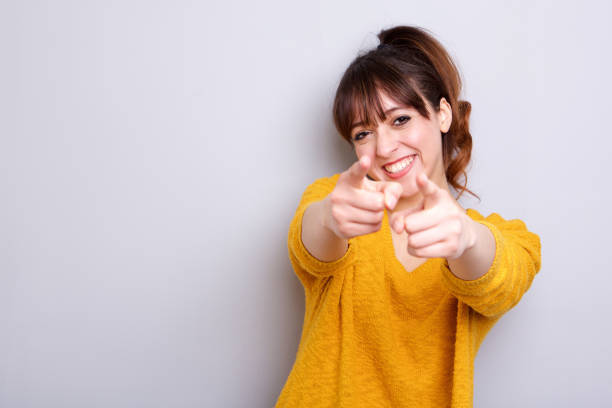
x,y
360,136
403,119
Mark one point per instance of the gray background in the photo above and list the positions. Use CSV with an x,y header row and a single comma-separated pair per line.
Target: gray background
x,y
152,155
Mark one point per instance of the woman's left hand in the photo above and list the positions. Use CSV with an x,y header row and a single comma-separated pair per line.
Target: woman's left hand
x,y
439,228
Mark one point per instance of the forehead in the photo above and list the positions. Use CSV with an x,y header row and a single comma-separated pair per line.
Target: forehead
x,y
387,103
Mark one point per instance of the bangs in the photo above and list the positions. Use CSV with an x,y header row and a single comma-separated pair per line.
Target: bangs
x,y
358,96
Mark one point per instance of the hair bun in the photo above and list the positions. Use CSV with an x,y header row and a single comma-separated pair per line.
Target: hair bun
x,y
402,35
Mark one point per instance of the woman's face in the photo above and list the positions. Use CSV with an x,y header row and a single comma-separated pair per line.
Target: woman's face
x,y
405,144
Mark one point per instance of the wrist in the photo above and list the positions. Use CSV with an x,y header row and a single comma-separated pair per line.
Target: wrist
x,y
473,233
325,214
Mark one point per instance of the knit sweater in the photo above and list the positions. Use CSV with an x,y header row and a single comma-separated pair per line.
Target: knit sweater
x,y
376,335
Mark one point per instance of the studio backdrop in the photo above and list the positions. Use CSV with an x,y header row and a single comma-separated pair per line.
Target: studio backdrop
x,y
153,153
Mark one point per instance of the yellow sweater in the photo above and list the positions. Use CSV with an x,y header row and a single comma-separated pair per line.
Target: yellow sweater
x,y
375,335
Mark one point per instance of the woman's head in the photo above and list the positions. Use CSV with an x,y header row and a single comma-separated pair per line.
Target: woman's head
x,y
409,70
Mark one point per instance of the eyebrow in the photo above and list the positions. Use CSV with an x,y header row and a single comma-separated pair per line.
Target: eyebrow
x,y
354,125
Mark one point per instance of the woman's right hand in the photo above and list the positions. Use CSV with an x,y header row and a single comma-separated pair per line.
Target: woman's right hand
x,y
356,205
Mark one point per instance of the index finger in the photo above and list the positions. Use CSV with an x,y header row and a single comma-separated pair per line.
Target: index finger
x,y
421,220
358,171
426,186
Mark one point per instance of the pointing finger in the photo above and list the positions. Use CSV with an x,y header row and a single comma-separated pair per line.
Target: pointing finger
x,y
358,171
427,187
422,220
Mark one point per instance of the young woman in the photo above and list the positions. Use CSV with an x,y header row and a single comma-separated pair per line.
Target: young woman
x,y
402,284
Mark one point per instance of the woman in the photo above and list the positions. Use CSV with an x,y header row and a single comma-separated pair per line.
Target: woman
x,y
402,284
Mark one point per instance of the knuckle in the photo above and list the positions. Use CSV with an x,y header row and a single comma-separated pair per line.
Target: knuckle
x,y
336,213
335,197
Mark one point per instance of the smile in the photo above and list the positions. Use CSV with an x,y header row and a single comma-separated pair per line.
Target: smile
x,y
398,166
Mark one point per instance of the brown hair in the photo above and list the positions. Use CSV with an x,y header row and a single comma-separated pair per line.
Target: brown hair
x,y
409,64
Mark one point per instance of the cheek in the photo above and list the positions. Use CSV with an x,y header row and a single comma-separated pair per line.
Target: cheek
x,y
419,135
365,149
422,139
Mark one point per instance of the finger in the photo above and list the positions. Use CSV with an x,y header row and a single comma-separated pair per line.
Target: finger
x,y
355,229
396,219
421,220
391,189
358,171
393,192
407,211
397,224
440,249
369,200
426,186
426,237
360,216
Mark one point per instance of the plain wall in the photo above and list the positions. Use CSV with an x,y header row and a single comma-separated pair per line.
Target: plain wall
x,y
152,154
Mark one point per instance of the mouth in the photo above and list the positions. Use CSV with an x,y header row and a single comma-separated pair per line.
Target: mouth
x,y
399,167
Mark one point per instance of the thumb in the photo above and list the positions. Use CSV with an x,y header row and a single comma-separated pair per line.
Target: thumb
x,y
392,191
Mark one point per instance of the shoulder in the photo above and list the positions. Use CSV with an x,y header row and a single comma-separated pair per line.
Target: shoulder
x,y
496,219
325,183
318,189
322,185
510,231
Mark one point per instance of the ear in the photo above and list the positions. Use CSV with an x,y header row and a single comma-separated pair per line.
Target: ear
x,y
445,115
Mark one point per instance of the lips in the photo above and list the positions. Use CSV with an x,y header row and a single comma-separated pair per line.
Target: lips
x,y
398,165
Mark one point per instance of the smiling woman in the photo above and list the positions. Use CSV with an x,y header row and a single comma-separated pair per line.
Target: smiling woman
x,y
402,284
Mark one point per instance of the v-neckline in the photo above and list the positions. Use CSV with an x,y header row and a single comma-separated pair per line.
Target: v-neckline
x,y
390,247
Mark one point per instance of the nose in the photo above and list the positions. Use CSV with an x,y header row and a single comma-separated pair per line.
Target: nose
x,y
386,143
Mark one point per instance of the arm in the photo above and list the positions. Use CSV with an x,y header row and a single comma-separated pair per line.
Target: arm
x,y
477,259
355,206
317,237
516,261
308,215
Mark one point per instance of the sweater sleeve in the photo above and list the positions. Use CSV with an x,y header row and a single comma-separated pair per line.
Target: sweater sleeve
x,y
305,265
517,260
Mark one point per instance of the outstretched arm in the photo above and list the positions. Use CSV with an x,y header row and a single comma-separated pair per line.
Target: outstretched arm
x,y
477,259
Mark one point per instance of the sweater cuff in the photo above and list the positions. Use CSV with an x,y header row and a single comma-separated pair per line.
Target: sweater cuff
x,y
484,284
306,260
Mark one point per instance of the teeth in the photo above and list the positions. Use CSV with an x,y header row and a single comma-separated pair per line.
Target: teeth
x,y
399,166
